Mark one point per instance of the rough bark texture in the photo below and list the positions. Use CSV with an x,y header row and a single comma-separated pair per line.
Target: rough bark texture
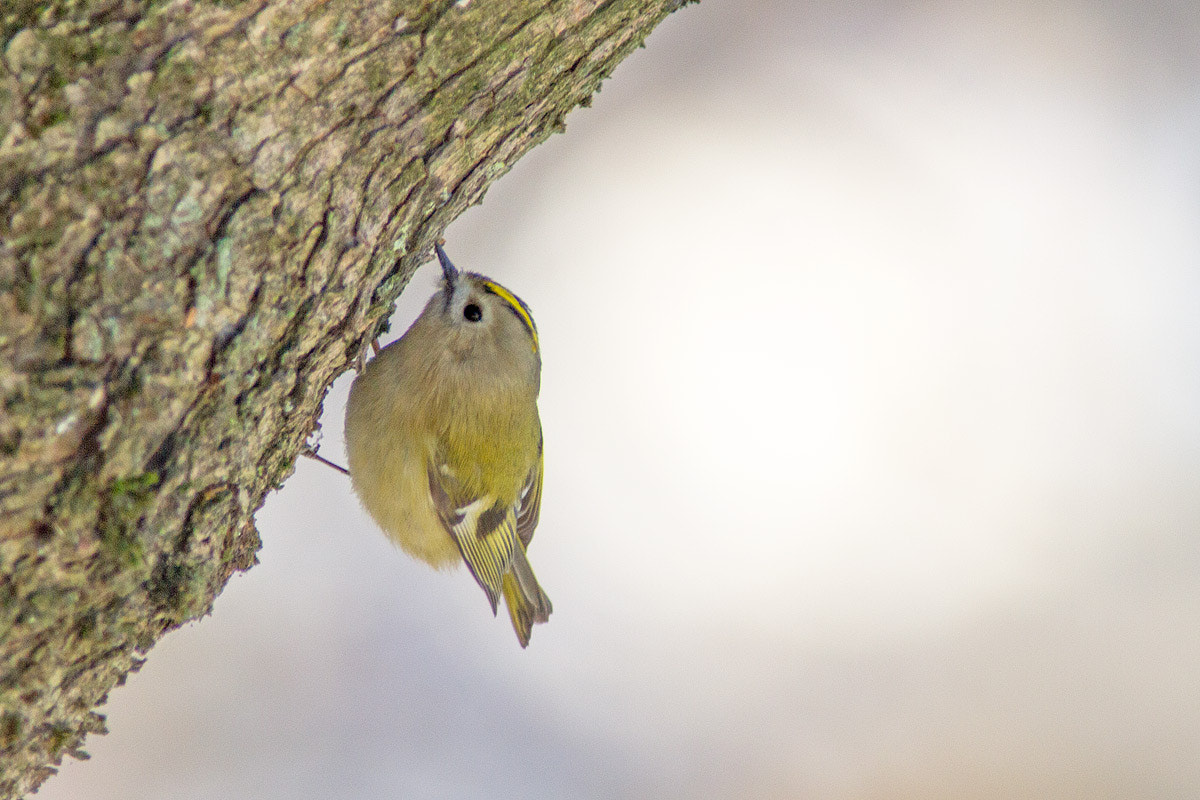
x,y
206,210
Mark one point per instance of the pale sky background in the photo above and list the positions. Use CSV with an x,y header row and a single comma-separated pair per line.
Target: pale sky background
x,y
872,367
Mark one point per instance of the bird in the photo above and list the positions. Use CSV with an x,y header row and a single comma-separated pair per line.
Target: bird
x,y
444,441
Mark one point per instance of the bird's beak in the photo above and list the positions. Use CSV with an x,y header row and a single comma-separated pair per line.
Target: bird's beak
x,y
448,269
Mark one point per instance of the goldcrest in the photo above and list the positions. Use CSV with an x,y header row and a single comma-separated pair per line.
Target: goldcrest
x,y
445,444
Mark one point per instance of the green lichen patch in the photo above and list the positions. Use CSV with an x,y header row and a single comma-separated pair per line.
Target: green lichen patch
x,y
129,498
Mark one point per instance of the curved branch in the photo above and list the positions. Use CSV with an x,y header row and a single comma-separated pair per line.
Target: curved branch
x,y
206,211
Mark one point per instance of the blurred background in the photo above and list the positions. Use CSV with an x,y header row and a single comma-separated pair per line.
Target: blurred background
x,y
871,336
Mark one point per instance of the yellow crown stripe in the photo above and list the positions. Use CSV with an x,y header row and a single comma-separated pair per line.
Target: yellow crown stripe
x,y
518,306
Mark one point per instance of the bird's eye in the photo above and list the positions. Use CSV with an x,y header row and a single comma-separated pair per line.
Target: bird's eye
x,y
472,312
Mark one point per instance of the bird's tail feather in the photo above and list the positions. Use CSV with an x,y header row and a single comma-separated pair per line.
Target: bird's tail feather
x,y
527,603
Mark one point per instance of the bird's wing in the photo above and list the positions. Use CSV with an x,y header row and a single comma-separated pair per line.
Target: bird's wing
x,y
484,530
529,502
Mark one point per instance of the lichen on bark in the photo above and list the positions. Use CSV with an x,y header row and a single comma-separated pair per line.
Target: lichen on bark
x,y
207,209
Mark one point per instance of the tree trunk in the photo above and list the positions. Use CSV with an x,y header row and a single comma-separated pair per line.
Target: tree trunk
x,y
207,209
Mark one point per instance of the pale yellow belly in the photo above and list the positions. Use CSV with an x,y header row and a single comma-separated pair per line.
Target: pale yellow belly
x,y
394,490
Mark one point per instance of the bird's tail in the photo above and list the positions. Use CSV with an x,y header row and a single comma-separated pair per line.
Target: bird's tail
x,y
527,603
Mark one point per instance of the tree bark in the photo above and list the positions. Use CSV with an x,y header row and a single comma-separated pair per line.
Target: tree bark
x,y
207,209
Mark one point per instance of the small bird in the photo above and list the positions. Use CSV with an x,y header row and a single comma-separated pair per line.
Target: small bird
x,y
445,444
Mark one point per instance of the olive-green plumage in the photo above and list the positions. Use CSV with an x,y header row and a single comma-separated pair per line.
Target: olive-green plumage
x,y
445,444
